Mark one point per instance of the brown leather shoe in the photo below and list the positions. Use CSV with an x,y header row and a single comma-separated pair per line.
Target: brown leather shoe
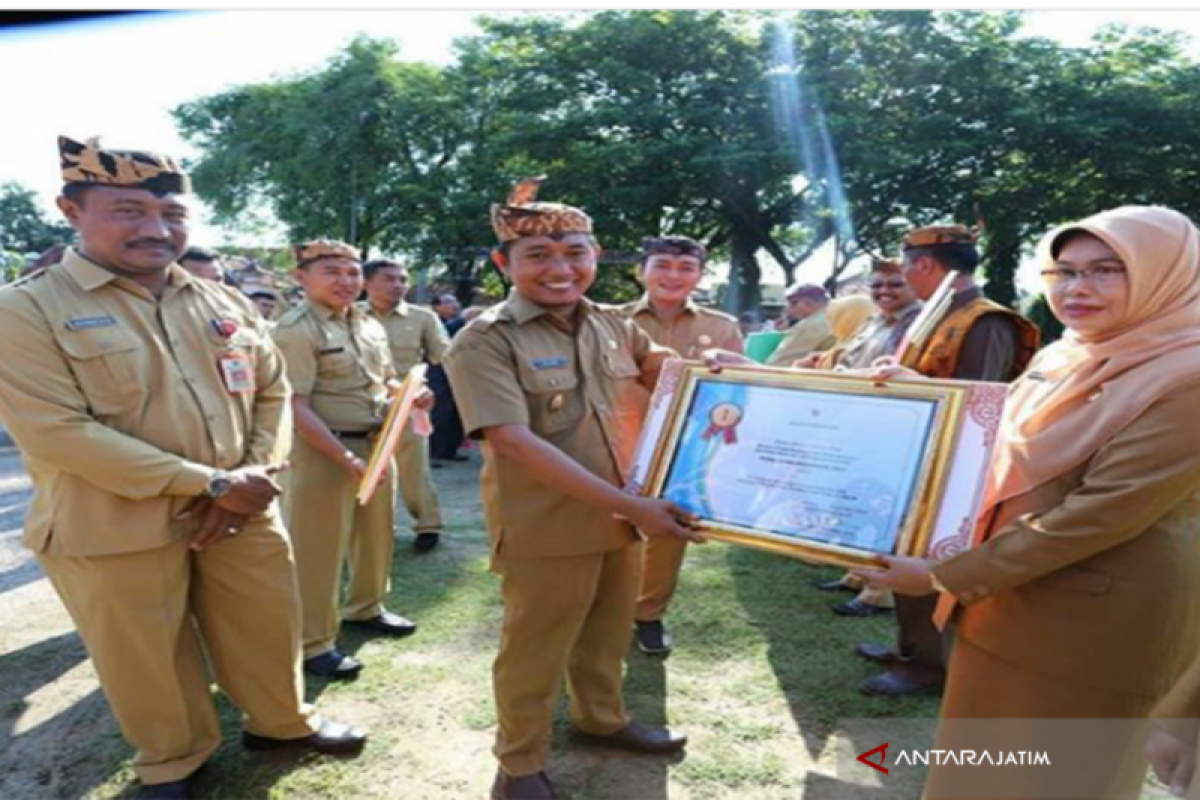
x,y
333,739
522,787
636,738
909,683
879,653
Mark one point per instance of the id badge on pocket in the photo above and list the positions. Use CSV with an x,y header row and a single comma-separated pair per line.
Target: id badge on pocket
x,y
238,371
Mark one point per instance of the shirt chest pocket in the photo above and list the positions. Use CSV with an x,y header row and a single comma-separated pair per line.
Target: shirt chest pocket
x,y
624,391
106,365
619,365
555,398
337,364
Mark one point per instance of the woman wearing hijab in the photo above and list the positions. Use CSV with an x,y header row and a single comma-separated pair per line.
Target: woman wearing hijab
x,y
1081,596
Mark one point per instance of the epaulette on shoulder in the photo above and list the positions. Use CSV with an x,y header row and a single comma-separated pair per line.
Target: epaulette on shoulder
x,y
617,309
485,320
293,315
27,279
712,312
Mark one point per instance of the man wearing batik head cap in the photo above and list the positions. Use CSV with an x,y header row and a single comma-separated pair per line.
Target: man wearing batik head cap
x,y
976,340
342,375
557,388
811,333
152,410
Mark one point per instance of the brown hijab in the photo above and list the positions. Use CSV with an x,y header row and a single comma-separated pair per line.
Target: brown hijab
x,y
1090,388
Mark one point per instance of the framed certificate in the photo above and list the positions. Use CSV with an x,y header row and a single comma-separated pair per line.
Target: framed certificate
x,y
389,436
823,466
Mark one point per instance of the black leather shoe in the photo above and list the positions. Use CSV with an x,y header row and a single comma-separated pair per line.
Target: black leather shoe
x,y
653,638
897,684
175,790
387,623
636,738
879,653
835,586
334,665
333,739
426,541
857,608
522,787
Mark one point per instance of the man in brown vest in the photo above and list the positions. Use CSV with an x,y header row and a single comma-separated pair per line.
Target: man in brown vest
x,y
978,340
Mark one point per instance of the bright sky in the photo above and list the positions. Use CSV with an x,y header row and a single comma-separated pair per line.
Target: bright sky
x,y
120,78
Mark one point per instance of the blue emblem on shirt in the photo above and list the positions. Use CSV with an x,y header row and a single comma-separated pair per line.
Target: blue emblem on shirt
x,y
550,363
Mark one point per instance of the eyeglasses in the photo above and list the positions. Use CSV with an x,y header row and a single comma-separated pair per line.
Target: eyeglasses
x,y
1098,276
887,285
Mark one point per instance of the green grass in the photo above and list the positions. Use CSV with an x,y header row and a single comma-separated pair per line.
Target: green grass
x,y
761,674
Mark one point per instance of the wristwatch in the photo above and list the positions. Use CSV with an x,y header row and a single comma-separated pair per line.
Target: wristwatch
x,y
219,484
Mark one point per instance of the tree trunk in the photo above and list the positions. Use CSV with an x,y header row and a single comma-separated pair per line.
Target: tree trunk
x,y
745,276
1001,260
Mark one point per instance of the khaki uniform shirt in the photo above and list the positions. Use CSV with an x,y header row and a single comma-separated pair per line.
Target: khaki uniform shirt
x,y
414,333
119,405
879,336
810,335
689,333
341,363
583,388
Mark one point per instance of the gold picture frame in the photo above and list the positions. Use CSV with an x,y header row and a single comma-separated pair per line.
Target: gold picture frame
x,y
941,404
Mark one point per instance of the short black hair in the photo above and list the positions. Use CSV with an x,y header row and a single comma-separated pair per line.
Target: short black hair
x,y
672,246
76,191
371,267
200,254
956,257
263,293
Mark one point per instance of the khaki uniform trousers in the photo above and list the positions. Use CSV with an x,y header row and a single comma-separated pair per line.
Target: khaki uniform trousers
x,y
562,616
329,528
144,617
1018,705
661,562
416,483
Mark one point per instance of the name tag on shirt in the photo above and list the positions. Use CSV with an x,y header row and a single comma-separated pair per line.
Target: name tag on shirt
x,y
328,351
85,323
238,371
550,363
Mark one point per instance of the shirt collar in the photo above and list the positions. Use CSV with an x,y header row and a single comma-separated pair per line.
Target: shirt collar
x,y
520,309
325,313
909,310
400,310
644,305
91,276
965,296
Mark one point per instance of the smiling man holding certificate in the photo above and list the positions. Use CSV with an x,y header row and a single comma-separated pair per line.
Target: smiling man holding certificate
x,y
556,387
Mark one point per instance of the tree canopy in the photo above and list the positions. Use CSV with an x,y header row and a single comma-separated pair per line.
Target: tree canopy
x,y
765,136
23,227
